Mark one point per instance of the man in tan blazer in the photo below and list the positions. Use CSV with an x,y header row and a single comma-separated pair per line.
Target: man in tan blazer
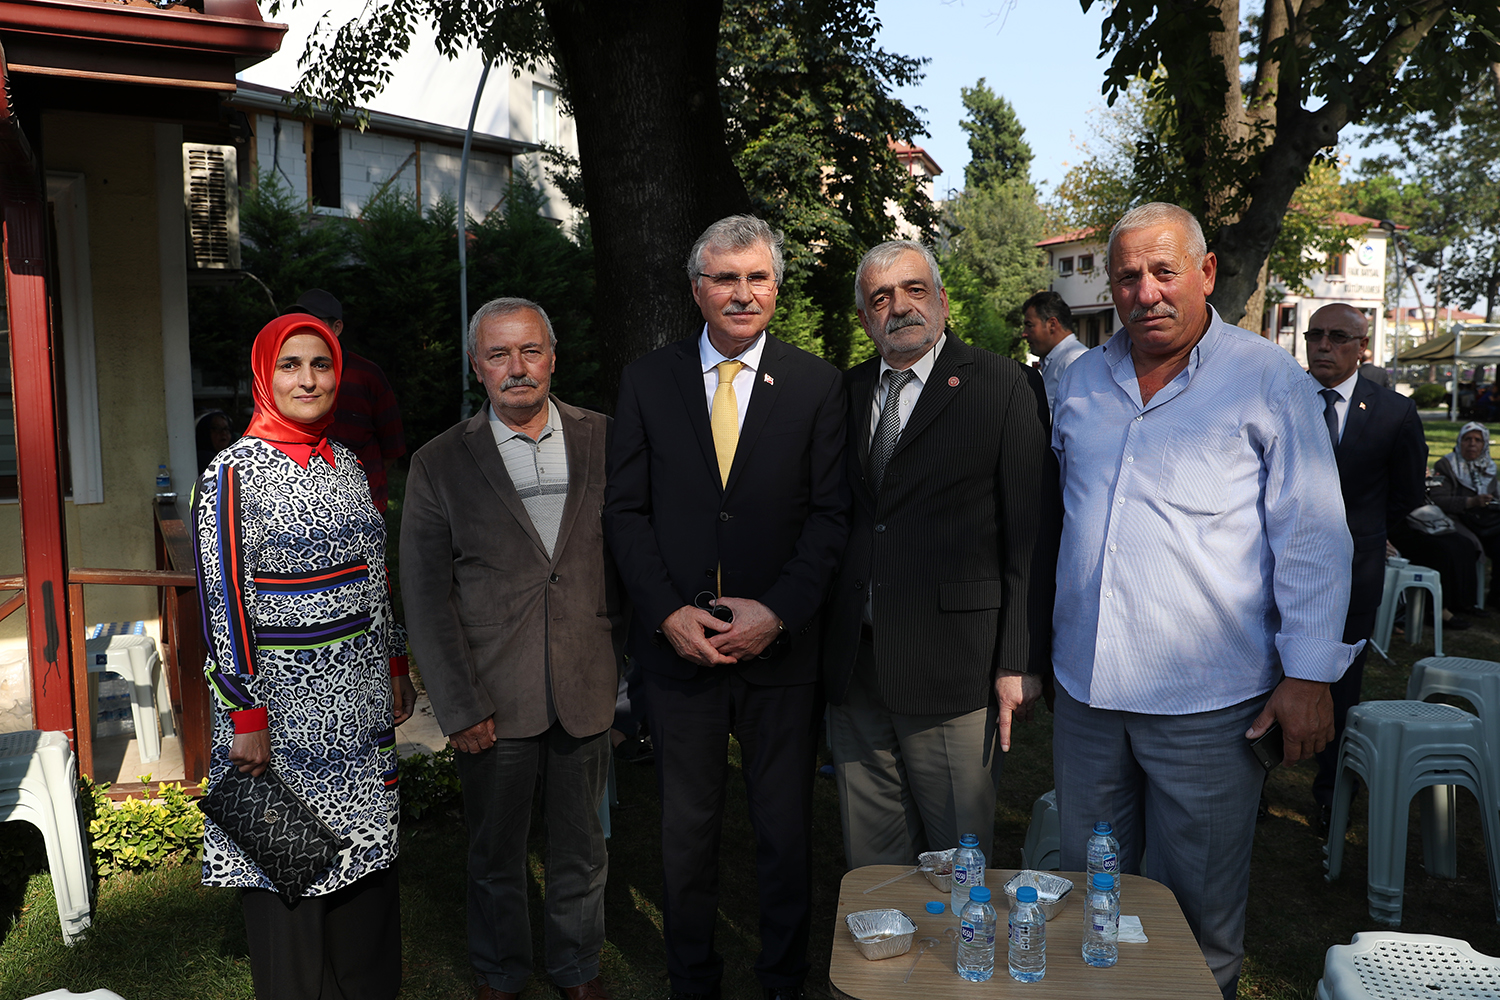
x,y
508,594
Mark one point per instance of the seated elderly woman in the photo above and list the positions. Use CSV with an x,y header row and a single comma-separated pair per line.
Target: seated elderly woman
x,y
306,662
1464,485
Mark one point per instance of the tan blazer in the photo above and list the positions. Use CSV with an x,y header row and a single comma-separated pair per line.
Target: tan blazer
x,y
488,613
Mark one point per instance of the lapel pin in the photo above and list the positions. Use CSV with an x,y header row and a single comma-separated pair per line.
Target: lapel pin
x,y
1361,406
768,379
953,380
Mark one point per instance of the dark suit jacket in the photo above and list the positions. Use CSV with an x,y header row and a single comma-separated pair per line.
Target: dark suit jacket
x,y
1382,458
777,526
487,611
960,547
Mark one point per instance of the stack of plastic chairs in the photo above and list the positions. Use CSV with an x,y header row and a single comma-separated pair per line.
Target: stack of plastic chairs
x,y
39,784
1384,965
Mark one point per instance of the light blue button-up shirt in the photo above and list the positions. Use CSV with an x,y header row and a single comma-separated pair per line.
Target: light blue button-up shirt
x,y
1204,546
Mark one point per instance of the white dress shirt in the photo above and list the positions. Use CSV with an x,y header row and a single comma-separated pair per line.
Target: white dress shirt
x,y
744,382
1204,546
909,392
1056,362
1345,389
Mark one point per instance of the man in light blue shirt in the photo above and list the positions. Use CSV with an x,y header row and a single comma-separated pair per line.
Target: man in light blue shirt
x,y
1047,326
1202,582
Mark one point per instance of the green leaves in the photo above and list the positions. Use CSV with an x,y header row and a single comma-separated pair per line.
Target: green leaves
x,y
143,833
428,782
997,150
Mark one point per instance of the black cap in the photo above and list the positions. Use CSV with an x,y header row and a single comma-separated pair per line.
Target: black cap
x,y
319,303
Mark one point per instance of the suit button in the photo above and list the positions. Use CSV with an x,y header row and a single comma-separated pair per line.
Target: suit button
x,y
859,585
723,515
554,578
709,573
879,527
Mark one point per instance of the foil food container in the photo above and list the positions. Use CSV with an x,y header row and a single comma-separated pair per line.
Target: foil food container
x,y
881,933
1051,890
941,865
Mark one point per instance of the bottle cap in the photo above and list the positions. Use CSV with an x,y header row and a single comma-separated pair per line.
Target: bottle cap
x,y
935,907
1104,880
1103,827
1026,894
969,840
980,894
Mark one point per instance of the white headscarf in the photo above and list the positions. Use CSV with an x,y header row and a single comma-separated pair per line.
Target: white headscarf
x,y
1480,473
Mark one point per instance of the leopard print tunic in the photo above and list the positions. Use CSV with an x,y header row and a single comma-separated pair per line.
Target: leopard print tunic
x,y
297,618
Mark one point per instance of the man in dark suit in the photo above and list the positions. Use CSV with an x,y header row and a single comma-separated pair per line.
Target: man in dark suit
x,y
939,628
726,510
1382,457
510,605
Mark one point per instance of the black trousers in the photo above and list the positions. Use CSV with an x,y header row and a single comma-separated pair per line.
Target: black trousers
x,y
1345,692
776,726
342,946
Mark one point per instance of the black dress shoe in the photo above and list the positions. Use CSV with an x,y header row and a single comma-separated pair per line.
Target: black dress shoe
x,y
784,993
635,751
1456,624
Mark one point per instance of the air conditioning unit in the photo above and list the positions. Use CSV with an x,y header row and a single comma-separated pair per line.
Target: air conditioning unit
x,y
211,197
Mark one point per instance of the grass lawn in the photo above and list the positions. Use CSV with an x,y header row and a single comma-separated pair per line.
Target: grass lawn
x,y
161,935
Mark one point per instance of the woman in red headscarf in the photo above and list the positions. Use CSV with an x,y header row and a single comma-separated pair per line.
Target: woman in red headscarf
x,y
309,669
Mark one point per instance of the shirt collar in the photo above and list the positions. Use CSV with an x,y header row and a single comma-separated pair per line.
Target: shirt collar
x,y
922,369
1117,348
1345,389
709,356
503,431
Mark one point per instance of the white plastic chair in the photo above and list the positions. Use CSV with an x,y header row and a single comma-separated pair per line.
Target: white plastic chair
x,y
1386,965
1401,748
135,658
39,784
1401,577
1042,849
70,995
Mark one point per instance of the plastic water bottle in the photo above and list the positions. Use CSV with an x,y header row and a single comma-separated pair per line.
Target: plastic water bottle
x,y
1101,923
1104,854
1028,937
968,871
163,482
976,937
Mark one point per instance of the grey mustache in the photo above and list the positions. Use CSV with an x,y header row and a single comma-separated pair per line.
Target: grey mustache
x,y
902,322
1159,311
518,380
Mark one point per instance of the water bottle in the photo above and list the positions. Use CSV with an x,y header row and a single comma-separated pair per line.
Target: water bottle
x,y
1101,923
1028,937
976,937
164,482
968,871
1104,854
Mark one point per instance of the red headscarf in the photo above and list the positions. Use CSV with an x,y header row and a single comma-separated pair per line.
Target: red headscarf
x,y
298,441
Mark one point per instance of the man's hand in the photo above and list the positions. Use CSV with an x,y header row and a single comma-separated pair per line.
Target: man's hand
x,y
1305,711
479,736
251,751
1016,692
403,698
684,630
754,628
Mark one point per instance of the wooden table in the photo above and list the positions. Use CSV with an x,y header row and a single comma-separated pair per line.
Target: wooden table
x,y
1168,967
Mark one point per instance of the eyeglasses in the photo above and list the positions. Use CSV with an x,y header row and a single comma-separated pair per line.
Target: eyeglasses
x,y
728,281
1338,337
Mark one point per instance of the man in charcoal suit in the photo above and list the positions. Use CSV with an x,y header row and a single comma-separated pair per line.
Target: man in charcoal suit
x,y
726,496
939,628
1382,458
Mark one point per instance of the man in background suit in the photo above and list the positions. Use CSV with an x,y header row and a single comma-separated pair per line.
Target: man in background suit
x,y
1382,457
726,494
939,629
509,601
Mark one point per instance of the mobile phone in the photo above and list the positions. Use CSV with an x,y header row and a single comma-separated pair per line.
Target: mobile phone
x,y
1269,748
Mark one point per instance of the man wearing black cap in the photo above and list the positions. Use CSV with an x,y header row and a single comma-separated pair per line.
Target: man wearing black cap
x,y
366,417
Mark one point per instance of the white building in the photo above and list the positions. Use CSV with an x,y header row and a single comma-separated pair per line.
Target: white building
x,y
924,169
1356,278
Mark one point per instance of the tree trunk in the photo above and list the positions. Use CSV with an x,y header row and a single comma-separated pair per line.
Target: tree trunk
x,y
642,78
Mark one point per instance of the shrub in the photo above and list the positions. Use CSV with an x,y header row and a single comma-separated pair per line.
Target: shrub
x,y
144,833
428,782
1428,395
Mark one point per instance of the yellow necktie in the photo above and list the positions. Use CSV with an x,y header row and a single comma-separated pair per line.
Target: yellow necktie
x,y
724,419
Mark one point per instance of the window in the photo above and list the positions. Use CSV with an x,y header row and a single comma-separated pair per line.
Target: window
x,y
544,113
1085,262
1288,320
323,167
1065,266
1335,265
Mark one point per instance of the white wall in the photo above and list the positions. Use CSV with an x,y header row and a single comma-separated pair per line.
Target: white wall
x,y
284,156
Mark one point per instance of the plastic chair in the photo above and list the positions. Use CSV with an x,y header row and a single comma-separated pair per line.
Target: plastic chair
x,y
1400,748
611,798
1042,850
1385,965
70,995
39,784
1476,681
1401,577
135,657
